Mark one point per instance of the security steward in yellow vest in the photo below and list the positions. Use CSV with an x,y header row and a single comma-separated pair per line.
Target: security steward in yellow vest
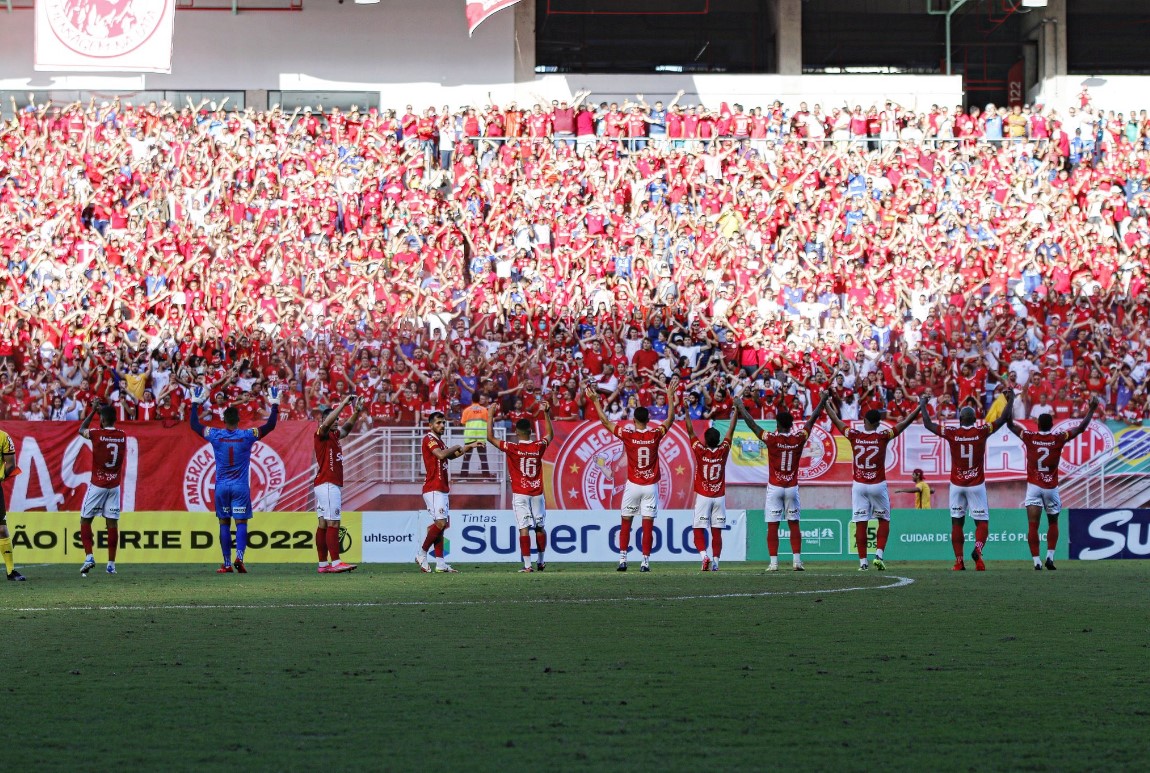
x,y
474,420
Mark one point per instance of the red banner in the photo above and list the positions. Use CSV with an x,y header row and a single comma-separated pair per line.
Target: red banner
x,y
165,468
479,11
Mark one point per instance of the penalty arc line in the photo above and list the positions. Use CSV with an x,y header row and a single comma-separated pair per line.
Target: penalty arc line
x,y
899,582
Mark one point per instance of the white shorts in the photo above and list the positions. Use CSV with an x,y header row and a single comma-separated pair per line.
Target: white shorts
x,y
437,505
972,499
328,501
869,500
101,502
710,511
530,510
642,500
782,501
1046,498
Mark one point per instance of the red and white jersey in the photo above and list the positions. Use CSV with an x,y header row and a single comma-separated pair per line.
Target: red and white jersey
x,y
869,454
784,452
1043,453
329,457
967,453
108,447
524,465
710,468
436,477
642,448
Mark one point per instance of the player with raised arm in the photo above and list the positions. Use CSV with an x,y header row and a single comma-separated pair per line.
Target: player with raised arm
x,y
103,495
232,448
1043,453
710,489
436,488
870,497
525,467
784,454
967,444
641,494
329,483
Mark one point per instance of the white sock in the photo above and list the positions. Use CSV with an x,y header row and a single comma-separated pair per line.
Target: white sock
x,y
798,558
862,562
323,564
1037,560
1049,555
715,561
878,554
541,559
622,556
89,557
646,560
439,562
526,562
774,560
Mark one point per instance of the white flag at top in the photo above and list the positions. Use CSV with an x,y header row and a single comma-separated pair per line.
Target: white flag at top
x,y
478,11
104,35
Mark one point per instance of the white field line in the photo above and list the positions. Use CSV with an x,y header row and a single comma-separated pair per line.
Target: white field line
x,y
899,582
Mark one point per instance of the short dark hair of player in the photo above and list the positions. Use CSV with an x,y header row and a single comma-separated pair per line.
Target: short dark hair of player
x,y
1045,422
916,473
107,415
523,427
231,416
966,416
785,421
873,416
435,415
712,437
642,415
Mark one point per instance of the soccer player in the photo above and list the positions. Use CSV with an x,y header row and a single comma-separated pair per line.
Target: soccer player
x,y
921,490
103,495
8,469
525,466
329,483
710,489
436,488
232,447
870,497
1043,453
641,494
967,444
784,453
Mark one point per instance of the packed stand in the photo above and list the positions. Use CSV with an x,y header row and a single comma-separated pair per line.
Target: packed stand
x,y
434,259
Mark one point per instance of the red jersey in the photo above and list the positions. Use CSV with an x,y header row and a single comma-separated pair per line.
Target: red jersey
x,y
524,465
967,453
784,452
642,448
710,468
329,457
436,478
869,454
1043,452
108,447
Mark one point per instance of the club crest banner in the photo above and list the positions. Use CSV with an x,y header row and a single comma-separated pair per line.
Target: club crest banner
x,y
104,35
479,11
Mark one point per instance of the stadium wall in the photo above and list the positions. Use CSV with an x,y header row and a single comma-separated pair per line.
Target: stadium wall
x,y
418,52
1109,92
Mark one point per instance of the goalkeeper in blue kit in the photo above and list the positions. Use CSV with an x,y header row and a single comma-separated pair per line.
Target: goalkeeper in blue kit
x,y
233,451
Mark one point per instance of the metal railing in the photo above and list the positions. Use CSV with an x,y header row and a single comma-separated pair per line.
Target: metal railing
x,y
1119,477
389,461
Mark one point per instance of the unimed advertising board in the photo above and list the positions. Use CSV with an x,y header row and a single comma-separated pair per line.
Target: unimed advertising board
x,y
489,536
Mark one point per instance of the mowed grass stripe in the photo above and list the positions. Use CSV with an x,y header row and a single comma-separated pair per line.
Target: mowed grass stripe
x,y
1005,670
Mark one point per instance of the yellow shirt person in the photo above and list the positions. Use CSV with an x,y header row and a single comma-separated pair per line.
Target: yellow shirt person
x,y
921,491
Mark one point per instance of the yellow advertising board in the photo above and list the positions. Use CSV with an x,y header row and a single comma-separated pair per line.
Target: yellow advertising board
x,y
176,538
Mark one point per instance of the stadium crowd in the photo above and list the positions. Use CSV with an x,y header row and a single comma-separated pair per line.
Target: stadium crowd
x,y
434,259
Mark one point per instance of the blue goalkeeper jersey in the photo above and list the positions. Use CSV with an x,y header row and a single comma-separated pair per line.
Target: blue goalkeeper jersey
x,y
233,448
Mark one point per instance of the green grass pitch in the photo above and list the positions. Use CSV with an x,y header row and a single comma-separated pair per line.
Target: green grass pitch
x,y
578,668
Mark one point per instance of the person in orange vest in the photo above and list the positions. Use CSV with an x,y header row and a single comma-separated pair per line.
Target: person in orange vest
x,y
474,419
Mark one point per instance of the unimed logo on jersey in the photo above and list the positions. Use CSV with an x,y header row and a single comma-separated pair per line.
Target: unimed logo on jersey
x,y
1096,440
267,479
104,28
819,454
591,470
